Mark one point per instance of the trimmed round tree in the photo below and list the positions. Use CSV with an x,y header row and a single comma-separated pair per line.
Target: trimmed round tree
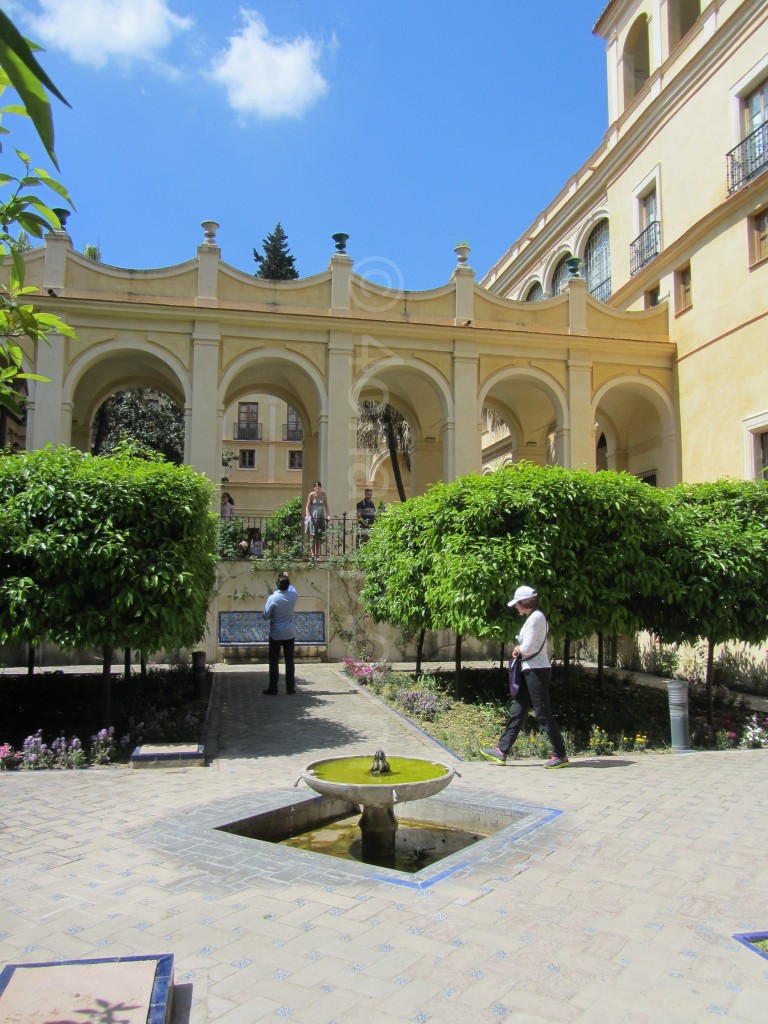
x,y
98,551
592,544
718,556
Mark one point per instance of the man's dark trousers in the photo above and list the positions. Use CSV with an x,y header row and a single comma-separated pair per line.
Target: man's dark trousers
x,y
274,663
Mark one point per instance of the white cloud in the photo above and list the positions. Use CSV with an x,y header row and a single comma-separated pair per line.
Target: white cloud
x,y
267,76
93,31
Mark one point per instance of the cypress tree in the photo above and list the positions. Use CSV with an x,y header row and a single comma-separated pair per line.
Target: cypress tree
x,y
277,263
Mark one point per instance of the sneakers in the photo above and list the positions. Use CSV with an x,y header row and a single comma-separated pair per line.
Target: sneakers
x,y
269,693
494,754
557,762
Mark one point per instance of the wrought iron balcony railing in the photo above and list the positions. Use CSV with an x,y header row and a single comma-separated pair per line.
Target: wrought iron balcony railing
x,y
246,430
293,432
601,290
645,247
748,159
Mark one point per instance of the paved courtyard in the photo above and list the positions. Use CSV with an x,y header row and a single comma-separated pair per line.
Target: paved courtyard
x,y
622,907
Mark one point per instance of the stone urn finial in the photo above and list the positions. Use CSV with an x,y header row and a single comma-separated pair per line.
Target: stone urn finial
x,y
341,239
210,227
462,251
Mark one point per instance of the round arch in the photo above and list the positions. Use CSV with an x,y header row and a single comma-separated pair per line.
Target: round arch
x,y
415,389
265,371
110,366
528,400
641,427
586,229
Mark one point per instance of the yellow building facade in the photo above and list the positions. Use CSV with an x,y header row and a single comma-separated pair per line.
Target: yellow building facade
x,y
218,341
671,211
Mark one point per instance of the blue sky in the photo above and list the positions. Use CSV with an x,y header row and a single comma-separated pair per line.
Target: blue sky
x,y
410,126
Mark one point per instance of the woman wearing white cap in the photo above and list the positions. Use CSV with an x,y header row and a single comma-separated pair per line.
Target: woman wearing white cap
x,y
534,688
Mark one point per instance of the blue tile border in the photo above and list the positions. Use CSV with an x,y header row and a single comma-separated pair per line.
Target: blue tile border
x,y
213,860
160,998
748,939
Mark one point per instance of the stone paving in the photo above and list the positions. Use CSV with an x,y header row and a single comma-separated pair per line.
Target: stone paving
x,y
623,907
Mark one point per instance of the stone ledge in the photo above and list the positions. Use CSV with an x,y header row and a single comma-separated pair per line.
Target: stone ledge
x,y
168,755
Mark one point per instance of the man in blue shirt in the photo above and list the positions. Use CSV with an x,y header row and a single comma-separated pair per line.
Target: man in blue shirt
x,y
279,610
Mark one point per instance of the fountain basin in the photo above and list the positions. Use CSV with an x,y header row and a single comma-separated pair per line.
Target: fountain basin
x,y
349,778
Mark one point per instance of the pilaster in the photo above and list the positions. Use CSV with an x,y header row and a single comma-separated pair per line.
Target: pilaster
x,y
45,415
466,448
580,447
338,444
341,275
205,419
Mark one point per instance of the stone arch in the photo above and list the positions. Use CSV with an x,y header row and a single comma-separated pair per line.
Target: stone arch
x,y
294,380
529,400
638,417
423,396
237,380
586,229
596,259
110,366
681,17
532,290
636,58
554,261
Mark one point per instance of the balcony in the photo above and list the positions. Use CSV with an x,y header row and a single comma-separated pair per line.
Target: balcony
x,y
645,247
246,430
601,290
293,432
748,159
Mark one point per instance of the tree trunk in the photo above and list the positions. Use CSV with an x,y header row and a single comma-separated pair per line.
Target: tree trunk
x,y
600,664
710,683
501,658
393,456
457,664
127,664
143,666
101,422
106,686
420,650
567,662
31,651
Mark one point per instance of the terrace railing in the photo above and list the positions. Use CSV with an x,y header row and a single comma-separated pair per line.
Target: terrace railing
x,y
645,247
748,159
342,535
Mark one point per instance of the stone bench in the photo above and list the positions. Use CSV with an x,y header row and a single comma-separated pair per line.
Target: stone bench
x,y
246,634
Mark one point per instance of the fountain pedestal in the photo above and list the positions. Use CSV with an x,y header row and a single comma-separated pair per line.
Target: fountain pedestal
x,y
351,779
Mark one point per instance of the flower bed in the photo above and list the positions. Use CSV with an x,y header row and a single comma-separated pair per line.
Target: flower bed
x,y
52,720
470,712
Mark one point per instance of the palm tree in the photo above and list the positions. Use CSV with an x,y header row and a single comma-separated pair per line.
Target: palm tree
x,y
380,425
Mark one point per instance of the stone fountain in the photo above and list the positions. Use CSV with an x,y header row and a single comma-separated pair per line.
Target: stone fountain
x,y
377,786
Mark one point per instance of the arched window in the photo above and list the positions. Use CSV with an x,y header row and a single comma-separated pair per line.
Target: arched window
x,y
560,274
535,293
597,261
681,17
636,59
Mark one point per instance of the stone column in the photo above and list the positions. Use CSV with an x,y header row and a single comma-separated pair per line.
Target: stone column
x,y
669,471
205,419
465,452
44,415
57,245
338,444
341,274
426,464
579,440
